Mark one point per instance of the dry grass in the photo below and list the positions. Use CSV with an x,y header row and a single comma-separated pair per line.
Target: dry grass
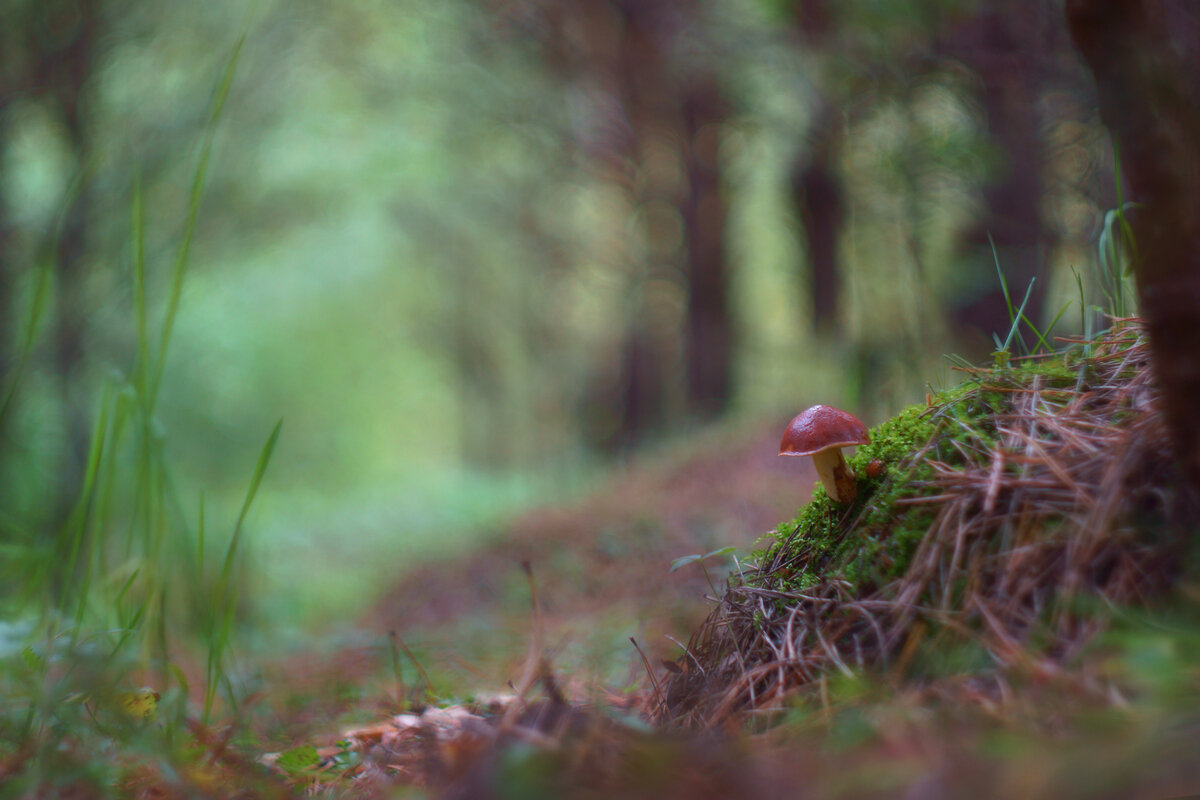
x,y
1067,493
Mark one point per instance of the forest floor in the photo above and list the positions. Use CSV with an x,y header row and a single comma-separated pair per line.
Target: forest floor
x,y
601,568
543,660
565,686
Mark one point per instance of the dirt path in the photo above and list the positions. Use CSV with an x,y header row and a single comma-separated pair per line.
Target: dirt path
x,y
602,565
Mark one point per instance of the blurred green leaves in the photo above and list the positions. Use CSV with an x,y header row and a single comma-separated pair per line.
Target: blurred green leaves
x,y
412,246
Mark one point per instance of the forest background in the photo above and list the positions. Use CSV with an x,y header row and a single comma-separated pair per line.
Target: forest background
x,y
477,253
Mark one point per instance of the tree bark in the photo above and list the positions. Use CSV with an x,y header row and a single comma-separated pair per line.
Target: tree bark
x,y
1145,57
708,333
818,199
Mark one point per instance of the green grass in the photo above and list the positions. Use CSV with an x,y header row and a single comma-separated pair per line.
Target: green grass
x,y
107,616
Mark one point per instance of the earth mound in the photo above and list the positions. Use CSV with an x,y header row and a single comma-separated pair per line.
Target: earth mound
x,y
998,519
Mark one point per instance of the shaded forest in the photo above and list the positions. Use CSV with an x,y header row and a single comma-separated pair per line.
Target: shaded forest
x,y
592,226
304,305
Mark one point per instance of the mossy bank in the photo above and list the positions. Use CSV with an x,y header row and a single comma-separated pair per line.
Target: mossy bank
x,y
987,511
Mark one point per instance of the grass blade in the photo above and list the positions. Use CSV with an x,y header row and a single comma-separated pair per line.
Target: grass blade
x,y
260,469
37,308
223,603
1016,319
138,226
1000,275
76,525
181,259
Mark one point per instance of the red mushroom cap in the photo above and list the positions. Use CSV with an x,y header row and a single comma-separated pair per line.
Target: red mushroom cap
x,y
820,428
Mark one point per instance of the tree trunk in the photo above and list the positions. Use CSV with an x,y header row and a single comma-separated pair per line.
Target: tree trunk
x,y
1002,55
708,345
820,208
1145,56
61,73
641,389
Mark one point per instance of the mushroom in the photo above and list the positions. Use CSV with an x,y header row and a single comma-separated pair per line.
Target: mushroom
x,y
822,432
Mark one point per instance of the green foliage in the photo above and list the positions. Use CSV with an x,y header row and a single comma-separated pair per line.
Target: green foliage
x,y
298,760
406,244
121,589
1002,354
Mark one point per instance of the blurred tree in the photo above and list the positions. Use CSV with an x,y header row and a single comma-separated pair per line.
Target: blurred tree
x,y
1145,56
653,131
1015,50
1015,59
708,328
819,200
516,220
1004,47
816,186
50,53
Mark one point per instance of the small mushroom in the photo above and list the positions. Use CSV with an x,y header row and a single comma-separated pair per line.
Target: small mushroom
x,y
822,432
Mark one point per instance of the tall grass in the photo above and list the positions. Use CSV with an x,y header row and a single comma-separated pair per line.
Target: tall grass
x,y
121,594
1017,316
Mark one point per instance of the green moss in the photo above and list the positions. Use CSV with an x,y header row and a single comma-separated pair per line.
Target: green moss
x,y
816,543
873,540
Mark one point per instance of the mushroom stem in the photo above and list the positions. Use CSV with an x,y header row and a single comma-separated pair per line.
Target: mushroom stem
x,y
836,476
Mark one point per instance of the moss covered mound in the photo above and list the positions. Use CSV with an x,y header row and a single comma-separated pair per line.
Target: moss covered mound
x,y
982,519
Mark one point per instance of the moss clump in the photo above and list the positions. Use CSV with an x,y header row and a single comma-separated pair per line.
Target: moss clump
x,y
993,512
816,543
872,540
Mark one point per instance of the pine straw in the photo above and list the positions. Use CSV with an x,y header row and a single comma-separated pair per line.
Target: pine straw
x,y
1067,492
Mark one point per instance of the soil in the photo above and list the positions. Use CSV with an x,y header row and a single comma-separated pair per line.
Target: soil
x,y
601,566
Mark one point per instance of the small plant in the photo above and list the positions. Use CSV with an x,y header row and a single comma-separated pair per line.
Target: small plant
x,y
696,558
1117,251
1002,354
299,761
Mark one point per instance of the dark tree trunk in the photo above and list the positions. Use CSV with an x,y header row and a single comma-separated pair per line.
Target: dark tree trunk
x,y
61,74
653,112
820,208
641,389
813,17
708,345
664,102
644,94
1145,56
816,187
1000,49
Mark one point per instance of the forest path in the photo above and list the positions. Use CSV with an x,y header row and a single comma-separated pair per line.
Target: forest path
x,y
602,564
602,567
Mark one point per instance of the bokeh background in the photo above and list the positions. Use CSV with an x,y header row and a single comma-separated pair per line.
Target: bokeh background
x,y
475,253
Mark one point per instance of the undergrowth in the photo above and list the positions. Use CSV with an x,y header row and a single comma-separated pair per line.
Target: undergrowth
x,y
951,428
985,518
118,629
